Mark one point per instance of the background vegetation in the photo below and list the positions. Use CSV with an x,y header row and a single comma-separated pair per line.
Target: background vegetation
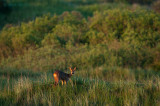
x,y
115,45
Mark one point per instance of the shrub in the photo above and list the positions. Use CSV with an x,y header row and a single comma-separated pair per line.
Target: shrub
x,y
94,37
156,6
128,25
69,30
27,35
85,42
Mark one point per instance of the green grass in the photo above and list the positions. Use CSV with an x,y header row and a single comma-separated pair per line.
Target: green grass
x,y
117,87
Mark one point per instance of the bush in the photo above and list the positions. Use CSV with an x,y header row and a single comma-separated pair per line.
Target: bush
x,y
70,29
135,1
20,38
85,42
156,6
127,25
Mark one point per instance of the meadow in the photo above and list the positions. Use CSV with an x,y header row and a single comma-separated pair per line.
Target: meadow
x,y
115,45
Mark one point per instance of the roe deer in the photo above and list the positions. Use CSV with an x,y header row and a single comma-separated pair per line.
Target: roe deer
x,y
64,77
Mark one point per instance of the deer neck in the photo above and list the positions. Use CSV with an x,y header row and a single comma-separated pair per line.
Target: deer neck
x,y
70,75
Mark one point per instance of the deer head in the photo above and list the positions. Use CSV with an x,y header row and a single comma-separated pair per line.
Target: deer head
x,y
72,70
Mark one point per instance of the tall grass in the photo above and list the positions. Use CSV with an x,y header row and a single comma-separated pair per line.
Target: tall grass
x,y
87,88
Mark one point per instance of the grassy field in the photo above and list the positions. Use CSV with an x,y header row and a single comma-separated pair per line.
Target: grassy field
x,y
115,45
92,86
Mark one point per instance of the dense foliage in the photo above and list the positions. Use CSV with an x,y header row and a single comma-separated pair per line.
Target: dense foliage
x,y
133,34
156,6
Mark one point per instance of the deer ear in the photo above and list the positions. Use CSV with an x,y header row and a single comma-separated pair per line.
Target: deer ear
x,y
70,68
74,68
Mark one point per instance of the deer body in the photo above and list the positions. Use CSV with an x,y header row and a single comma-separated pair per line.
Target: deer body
x,y
64,77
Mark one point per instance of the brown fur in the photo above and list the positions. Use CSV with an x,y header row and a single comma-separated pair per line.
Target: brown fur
x,y
64,77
